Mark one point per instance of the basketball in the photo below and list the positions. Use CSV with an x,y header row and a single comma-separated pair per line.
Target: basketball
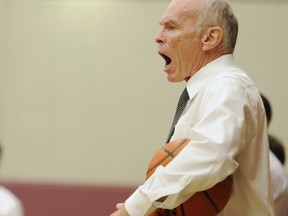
x,y
203,203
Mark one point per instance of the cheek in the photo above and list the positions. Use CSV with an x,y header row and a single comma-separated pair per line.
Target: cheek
x,y
191,50
187,46
187,51
190,60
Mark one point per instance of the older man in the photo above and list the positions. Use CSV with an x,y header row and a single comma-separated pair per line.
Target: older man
x,y
224,116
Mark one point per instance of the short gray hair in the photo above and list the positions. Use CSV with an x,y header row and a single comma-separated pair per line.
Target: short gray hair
x,y
219,13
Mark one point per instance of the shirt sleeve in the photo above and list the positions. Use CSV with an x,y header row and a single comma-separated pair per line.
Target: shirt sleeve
x,y
215,121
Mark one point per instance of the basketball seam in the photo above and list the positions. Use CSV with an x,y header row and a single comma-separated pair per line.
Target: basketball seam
x,y
159,163
168,154
171,153
183,210
212,201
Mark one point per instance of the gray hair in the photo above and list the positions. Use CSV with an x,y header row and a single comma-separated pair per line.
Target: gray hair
x,y
219,13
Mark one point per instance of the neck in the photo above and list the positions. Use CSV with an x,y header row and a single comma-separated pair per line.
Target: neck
x,y
207,58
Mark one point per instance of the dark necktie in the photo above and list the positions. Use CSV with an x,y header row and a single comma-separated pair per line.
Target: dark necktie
x,y
180,108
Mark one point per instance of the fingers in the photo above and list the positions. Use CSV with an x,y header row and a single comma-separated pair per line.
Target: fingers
x,y
119,205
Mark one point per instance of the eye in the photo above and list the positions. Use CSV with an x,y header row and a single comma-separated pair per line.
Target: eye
x,y
170,28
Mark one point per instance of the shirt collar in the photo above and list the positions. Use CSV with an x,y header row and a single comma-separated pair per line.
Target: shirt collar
x,y
208,72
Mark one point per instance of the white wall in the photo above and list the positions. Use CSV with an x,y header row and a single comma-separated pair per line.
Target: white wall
x,y
84,98
261,51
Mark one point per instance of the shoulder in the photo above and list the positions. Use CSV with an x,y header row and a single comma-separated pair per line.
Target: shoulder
x,y
8,201
231,85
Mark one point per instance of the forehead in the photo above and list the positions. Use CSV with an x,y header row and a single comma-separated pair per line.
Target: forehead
x,y
181,10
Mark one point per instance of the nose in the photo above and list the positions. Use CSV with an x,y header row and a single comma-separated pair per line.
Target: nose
x,y
159,38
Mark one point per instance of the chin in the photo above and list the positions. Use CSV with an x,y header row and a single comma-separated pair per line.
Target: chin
x,y
173,79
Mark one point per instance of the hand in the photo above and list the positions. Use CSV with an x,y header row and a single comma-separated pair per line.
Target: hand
x,y
121,210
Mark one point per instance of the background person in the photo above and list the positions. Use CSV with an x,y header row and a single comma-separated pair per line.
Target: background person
x,y
10,205
279,176
275,145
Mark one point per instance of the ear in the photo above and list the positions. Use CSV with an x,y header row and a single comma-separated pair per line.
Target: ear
x,y
211,38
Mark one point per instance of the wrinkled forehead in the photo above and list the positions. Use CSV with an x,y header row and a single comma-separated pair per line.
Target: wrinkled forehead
x,y
182,9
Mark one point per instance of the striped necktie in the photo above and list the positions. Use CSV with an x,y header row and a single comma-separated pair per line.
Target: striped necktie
x,y
180,108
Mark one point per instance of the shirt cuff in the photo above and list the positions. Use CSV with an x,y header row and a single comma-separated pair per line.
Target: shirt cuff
x,y
138,204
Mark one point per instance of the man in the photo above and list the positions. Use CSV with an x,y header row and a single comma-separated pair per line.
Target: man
x,y
275,145
224,117
279,186
10,205
279,176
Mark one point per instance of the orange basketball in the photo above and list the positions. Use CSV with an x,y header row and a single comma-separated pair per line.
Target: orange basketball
x,y
204,203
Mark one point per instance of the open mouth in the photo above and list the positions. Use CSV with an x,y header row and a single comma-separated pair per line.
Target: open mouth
x,y
167,60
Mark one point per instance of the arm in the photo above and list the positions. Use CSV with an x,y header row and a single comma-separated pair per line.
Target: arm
x,y
215,123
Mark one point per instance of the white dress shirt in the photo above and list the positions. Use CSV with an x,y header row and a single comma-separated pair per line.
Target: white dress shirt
x,y
279,186
225,121
10,205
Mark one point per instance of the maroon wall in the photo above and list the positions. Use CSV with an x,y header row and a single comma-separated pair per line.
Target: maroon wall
x,y
41,199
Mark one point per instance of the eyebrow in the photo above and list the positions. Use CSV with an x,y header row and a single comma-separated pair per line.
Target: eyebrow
x,y
168,22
